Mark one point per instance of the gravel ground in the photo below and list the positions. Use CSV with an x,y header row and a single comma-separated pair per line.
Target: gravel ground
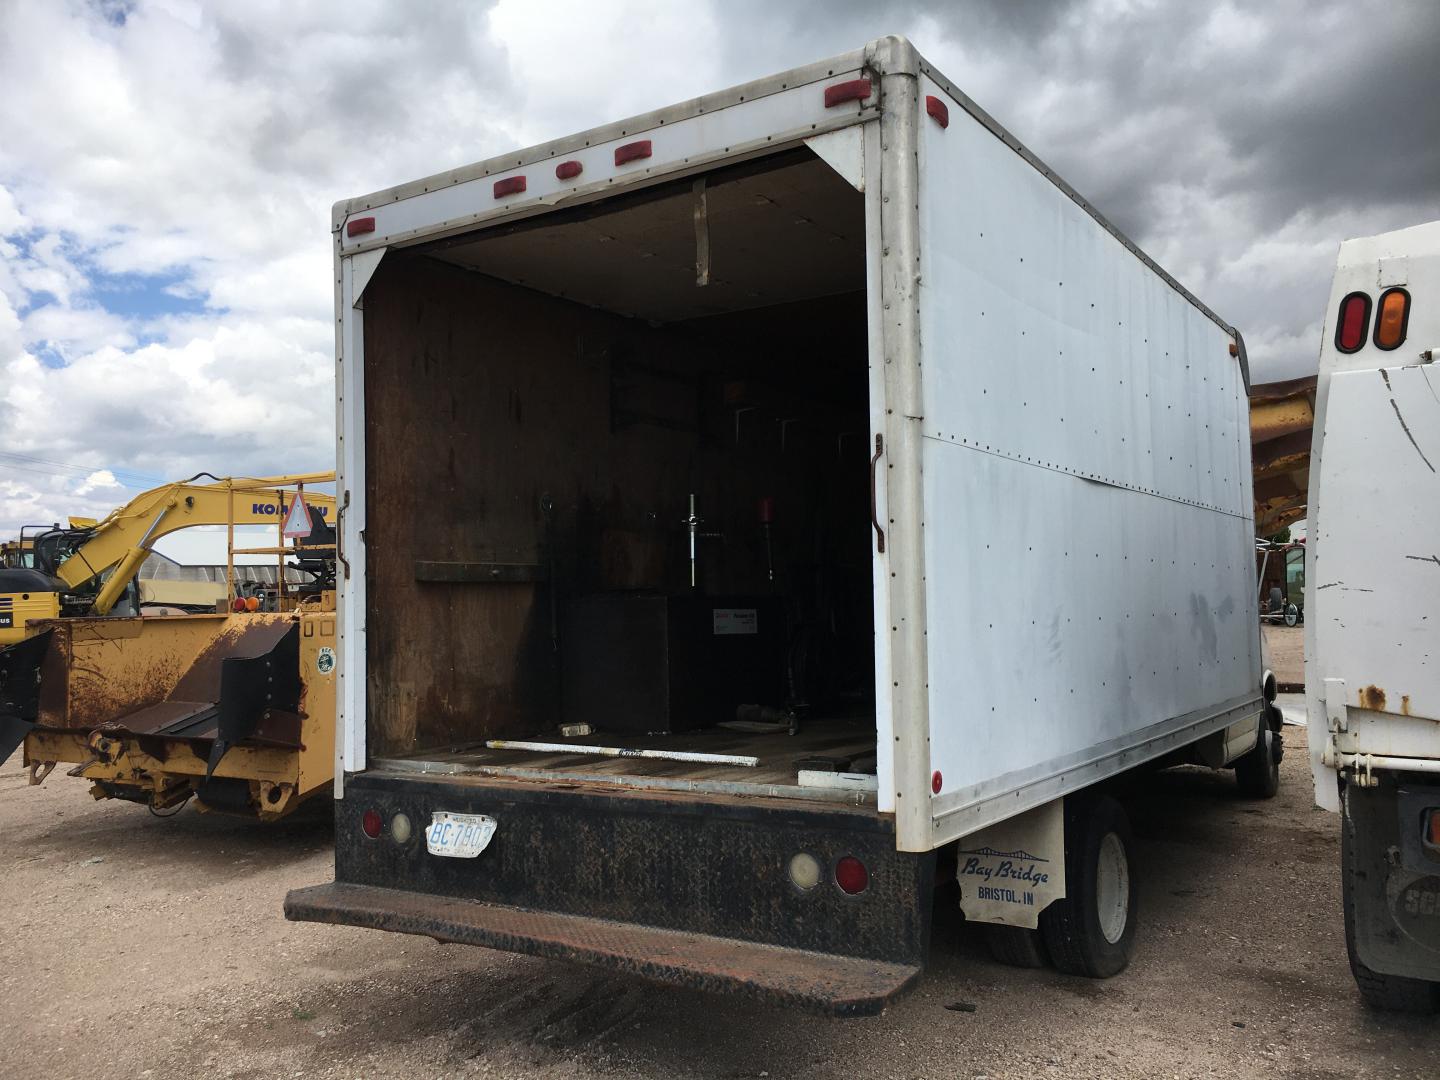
x,y
138,947
1287,652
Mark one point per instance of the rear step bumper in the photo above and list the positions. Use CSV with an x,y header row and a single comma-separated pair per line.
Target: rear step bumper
x,y
835,985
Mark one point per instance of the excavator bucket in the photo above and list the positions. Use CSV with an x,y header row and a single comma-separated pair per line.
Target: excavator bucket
x,y
155,706
20,690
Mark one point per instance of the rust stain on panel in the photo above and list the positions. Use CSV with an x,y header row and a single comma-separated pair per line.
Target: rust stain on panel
x,y
1372,697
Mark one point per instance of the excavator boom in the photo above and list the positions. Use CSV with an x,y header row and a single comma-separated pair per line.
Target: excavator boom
x,y
124,538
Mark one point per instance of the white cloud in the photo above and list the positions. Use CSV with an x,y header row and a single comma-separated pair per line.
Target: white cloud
x,y
202,145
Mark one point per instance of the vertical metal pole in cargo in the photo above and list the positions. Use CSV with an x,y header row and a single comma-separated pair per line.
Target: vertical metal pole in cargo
x,y
900,303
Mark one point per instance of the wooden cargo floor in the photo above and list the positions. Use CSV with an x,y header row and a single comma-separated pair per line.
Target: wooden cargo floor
x,y
779,755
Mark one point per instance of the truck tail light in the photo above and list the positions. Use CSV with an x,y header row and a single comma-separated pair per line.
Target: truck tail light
x,y
1354,322
804,871
851,875
1392,319
371,823
400,828
1431,833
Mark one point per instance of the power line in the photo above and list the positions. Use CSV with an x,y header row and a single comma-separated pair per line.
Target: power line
x,y
119,474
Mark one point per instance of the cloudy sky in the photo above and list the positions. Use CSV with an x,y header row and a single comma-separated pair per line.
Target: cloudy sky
x,y
167,168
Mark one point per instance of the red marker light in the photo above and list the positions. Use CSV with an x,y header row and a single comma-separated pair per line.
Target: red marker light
x,y
936,781
634,151
568,170
851,875
511,185
854,90
371,823
1353,323
356,226
937,110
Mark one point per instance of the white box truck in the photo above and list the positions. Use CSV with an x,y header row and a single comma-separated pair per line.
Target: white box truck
x,y
758,511
1372,607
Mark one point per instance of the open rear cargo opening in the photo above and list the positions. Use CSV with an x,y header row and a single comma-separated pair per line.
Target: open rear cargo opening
x,y
558,411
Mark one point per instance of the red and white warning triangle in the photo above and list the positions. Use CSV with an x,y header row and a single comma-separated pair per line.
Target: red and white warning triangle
x,y
297,520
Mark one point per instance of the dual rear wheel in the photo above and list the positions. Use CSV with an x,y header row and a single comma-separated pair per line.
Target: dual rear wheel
x,y
1091,931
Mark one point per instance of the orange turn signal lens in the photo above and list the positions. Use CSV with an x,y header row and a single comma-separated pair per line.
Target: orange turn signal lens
x,y
1394,316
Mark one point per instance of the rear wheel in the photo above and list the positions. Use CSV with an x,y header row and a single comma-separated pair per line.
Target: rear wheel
x,y
1092,931
1258,772
1016,945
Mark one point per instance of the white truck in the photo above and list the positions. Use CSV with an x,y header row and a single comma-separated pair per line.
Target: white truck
x,y
1372,607
758,511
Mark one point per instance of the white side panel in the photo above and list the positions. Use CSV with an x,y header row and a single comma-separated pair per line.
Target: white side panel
x,y
1088,522
1376,606
350,498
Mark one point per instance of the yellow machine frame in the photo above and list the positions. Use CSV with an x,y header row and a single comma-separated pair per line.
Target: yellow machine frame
x,y
103,668
118,696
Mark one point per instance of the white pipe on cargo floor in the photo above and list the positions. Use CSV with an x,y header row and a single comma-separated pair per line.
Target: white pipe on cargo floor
x,y
622,751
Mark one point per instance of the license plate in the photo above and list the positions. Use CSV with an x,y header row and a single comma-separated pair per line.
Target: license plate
x,y
459,836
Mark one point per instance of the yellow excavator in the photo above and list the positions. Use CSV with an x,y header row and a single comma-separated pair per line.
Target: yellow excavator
x,y
234,707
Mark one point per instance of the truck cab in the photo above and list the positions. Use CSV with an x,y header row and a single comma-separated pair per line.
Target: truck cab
x,y
1372,607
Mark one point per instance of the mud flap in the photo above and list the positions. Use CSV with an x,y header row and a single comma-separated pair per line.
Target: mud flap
x,y
250,686
20,690
1011,872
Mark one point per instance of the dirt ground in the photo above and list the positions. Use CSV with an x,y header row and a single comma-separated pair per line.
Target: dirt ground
x,y
1287,653
140,947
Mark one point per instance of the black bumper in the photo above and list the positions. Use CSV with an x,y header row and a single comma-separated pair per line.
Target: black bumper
x,y
686,890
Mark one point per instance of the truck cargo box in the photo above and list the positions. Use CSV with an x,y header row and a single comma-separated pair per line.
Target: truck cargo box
x,y
804,460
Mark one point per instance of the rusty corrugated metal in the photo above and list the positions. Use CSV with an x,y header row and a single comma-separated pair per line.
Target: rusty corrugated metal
x,y
1282,421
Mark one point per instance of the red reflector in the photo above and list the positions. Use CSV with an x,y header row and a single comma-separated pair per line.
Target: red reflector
x,y
356,226
1432,827
1391,319
851,875
1353,323
370,821
854,90
937,110
633,151
568,169
511,185
936,781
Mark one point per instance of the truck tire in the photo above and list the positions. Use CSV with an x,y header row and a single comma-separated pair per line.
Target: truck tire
x,y
1092,930
1016,946
1258,772
1387,993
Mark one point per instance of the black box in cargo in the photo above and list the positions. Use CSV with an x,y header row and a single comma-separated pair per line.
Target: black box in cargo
x,y
646,662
